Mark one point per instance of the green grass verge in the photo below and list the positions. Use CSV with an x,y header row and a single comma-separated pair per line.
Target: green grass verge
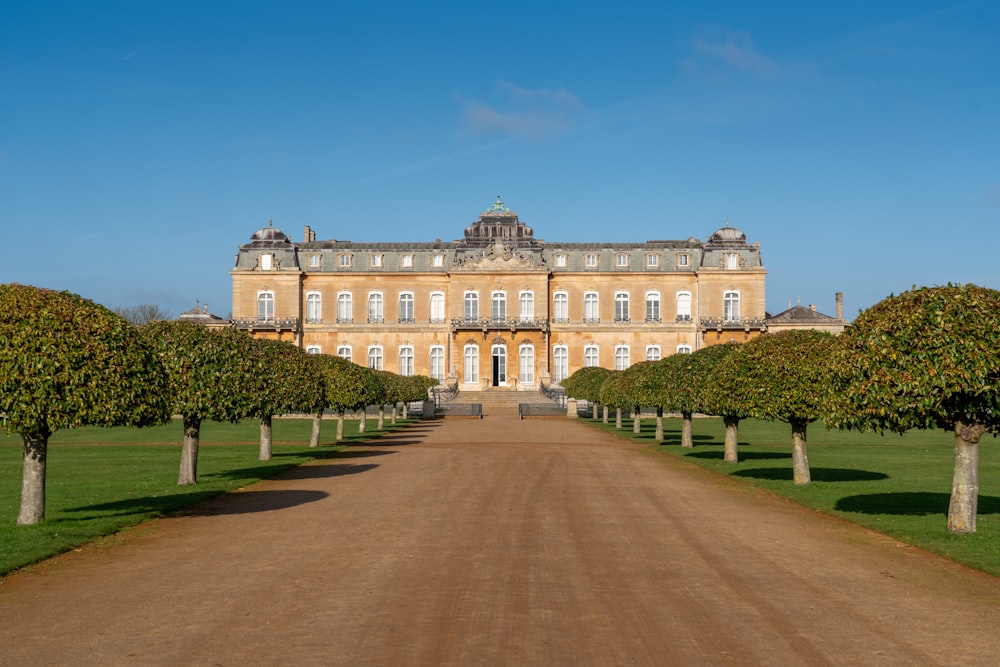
x,y
100,481
899,485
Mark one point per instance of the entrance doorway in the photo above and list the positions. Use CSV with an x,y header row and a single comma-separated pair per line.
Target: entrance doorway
x,y
499,365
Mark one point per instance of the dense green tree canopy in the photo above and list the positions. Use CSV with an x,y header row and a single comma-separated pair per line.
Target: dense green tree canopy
x,y
67,362
350,386
929,357
585,383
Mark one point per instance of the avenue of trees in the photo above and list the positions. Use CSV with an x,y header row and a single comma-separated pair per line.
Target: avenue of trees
x,y
67,362
927,358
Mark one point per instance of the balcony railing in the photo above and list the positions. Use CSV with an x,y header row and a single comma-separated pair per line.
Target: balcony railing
x,y
722,324
488,324
267,323
683,318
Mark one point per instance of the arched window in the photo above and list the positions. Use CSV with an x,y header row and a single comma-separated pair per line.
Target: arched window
x,y
471,364
591,313
406,307
731,307
313,349
471,306
314,310
560,307
437,307
345,308
375,313
437,362
375,357
527,306
683,349
499,313
526,364
622,358
344,352
652,306
560,363
265,307
684,306
621,307
652,353
406,360
591,357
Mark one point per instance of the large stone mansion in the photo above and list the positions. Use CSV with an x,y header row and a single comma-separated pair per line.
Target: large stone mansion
x,y
499,307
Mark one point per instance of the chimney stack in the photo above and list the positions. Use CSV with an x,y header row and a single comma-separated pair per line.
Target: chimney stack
x,y
308,235
840,305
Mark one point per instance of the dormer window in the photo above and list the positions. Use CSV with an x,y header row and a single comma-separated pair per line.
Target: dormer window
x,y
344,261
683,261
376,261
406,262
266,262
621,261
732,261
560,261
314,261
437,261
652,261
590,261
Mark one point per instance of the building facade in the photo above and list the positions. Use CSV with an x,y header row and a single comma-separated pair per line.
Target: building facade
x,y
499,308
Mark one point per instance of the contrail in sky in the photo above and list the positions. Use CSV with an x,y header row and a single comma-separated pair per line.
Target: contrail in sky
x,y
129,56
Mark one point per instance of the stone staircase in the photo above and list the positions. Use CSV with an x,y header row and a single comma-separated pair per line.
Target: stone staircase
x,y
499,401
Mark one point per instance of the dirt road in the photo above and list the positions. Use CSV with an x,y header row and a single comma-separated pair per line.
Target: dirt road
x,y
500,542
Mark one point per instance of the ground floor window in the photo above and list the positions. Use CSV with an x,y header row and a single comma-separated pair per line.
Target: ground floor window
x,y
471,364
437,363
560,363
526,365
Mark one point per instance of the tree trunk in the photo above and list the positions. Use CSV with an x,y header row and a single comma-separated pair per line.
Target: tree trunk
x,y
189,452
637,420
605,411
340,425
732,439
686,440
266,439
659,425
363,420
406,412
800,453
381,417
965,484
593,410
35,447
317,425
618,418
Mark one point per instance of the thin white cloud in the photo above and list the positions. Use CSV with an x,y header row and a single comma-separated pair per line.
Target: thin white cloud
x,y
723,53
133,53
523,112
421,165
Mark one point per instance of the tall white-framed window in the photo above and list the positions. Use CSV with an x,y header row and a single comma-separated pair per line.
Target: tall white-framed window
x,y
470,306
590,307
622,361
731,306
313,349
684,306
683,349
406,360
437,362
375,357
406,307
470,366
375,308
560,363
526,306
266,262
732,261
314,307
621,307
499,312
437,307
652,306
652,353
591,356
344,352
265,307
560,307
345,308
526,364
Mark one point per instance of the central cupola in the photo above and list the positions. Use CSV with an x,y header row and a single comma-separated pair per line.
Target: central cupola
x,y
499,224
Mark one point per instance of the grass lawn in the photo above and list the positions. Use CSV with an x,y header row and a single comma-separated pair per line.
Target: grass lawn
x,y
897,485
100,481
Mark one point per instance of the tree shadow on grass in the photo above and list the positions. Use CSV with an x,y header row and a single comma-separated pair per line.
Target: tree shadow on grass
x,y
673,437
909,503
743,456
816,474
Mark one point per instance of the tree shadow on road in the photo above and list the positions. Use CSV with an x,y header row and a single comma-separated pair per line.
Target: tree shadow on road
x,y
816,474
909,503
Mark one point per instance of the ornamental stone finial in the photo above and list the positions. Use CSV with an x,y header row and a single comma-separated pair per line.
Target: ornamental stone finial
x,y
498,206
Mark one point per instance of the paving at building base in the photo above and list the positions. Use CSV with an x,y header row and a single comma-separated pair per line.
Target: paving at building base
x,y
499,542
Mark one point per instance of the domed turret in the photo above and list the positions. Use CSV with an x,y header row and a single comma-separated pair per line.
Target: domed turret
x,y
270,233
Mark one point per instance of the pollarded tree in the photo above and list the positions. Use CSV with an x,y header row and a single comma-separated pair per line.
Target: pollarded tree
x,y
585,384
349,387
286,381
713,392
645,382
396,387
418,388
615,393
212,375
682,378
784,376
67,362
927,358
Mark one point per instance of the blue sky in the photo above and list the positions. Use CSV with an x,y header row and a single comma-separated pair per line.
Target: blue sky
x,y
141,143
